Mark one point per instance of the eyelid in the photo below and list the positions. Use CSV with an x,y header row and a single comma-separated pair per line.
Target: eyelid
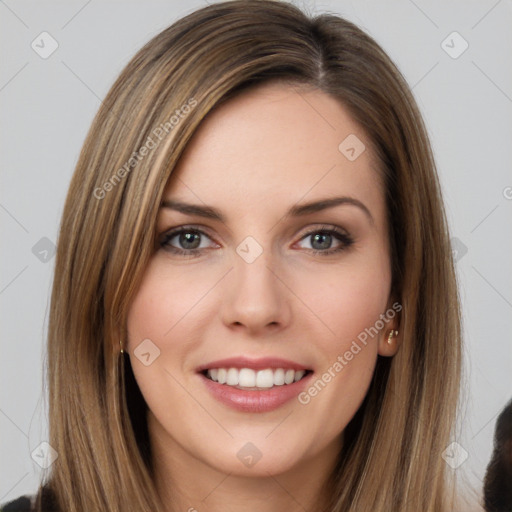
x,y
324,227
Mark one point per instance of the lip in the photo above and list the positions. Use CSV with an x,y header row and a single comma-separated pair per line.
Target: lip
x,y
255,401
261,363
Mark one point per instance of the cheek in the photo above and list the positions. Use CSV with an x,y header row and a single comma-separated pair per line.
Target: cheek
x,y
349,307
346,298
164,304
156,319
162,312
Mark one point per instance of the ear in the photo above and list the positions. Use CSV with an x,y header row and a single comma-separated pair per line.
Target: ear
x,y
390,335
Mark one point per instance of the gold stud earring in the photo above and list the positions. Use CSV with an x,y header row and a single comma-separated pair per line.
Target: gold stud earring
x,y
391,334
121,344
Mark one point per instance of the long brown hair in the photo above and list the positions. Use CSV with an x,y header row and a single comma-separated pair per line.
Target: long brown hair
x,y
391,459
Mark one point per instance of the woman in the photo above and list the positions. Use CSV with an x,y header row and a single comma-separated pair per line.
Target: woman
x,y
254,301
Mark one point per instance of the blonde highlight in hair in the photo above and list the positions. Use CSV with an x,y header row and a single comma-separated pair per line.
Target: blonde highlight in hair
x,y
391,459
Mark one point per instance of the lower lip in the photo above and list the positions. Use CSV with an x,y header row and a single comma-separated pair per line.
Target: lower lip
x,y
255,401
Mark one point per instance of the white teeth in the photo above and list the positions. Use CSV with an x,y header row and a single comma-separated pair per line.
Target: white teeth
x,y
265,379
299,375
232,377
279,377
249,378
221,375
246,378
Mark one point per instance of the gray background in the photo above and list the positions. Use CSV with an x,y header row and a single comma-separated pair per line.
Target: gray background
x,y
48,104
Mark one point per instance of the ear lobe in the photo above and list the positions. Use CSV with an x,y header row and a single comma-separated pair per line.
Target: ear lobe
x,y
389,337
389,341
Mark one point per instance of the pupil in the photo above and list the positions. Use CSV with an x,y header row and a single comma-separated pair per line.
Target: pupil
x,y
186,238
325,237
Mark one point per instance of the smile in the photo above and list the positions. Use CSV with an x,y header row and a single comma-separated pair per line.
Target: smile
x,y
254,385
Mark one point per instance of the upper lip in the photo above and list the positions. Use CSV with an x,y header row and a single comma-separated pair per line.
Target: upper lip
x,y
255,364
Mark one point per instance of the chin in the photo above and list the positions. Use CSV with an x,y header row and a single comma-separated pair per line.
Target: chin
x,y
273,462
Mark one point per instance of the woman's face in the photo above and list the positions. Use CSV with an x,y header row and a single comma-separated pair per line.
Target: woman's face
x,y
267,277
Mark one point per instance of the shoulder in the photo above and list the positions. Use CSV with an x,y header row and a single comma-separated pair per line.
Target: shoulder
x,y
28,503
22,504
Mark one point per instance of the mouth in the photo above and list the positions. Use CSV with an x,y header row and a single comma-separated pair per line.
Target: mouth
x,y
254,385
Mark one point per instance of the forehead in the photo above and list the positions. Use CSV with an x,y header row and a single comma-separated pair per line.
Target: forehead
x,y
276,142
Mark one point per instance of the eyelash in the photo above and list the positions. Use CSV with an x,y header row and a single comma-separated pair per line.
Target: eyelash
x,y
343,237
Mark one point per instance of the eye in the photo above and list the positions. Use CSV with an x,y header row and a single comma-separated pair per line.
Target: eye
x,y
189,241
321,240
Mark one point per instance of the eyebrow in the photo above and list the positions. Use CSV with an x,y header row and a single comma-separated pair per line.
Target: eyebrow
x,y
295,211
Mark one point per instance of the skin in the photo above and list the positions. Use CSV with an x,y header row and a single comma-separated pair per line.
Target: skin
x,y
255,157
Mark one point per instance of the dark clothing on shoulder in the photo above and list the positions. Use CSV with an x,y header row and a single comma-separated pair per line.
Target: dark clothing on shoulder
x,y
22,504
29,503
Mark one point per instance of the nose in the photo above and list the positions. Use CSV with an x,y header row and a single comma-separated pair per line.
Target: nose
x,y
255,297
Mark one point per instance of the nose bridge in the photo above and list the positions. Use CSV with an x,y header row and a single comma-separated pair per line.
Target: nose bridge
x,y
252,262
255,297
